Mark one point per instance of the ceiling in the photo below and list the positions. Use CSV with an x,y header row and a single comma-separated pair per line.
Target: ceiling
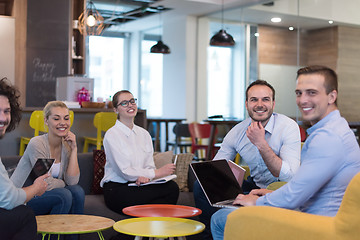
x,y
122,11
138,13
143,14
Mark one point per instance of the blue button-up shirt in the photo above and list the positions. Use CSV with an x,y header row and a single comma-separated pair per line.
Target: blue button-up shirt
x,y
282,135
330,158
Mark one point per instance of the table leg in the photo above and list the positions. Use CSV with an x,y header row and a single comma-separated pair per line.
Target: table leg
x,y
166,134
211,142
101,237
138,238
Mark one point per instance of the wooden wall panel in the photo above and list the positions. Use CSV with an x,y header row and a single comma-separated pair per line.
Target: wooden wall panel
x,y
20,14
279,46
335,47
348,66
322,47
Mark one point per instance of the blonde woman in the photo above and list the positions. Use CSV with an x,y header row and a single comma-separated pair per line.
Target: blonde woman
x,y
129,158
63,195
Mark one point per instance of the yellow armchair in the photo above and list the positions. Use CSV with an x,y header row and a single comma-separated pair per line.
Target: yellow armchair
x,y
270,223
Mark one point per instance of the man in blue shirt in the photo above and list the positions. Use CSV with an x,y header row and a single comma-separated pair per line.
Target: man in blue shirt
x,y
330,157
269,143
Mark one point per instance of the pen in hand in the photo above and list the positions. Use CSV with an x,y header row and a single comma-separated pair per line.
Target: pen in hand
x,y
176,156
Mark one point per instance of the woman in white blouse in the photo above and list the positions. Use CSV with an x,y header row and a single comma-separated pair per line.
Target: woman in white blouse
x,y
129,158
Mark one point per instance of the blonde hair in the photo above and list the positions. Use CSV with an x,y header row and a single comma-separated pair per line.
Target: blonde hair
x,y
52,104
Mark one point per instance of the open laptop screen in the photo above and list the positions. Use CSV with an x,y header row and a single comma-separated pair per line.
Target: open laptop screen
x,y
217,180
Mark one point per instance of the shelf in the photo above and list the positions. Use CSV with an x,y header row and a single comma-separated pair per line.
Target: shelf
x,y
77,54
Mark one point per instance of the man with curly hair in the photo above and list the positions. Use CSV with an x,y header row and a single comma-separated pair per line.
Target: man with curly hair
x,y
17,221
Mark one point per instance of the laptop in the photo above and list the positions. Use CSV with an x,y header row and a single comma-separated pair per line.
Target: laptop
x,y
218,182
238,172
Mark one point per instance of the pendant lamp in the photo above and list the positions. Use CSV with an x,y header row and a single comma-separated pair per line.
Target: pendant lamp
x,y
160,47
222,38
90,21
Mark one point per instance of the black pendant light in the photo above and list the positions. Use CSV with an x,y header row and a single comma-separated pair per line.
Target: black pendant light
x,y
160,47
222,38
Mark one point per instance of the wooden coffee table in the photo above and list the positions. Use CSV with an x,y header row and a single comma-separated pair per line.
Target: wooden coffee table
x,y
159,227
72,224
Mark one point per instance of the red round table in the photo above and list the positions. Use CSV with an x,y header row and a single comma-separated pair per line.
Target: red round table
x,y
162,210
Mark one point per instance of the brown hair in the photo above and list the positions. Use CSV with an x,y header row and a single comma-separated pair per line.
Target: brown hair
x,y
115,99
330,83
263,83
13,96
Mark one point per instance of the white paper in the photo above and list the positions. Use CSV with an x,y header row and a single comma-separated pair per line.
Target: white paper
x,y
156,181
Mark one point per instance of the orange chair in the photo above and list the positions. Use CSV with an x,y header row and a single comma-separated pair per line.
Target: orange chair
x,y
200,132
302,134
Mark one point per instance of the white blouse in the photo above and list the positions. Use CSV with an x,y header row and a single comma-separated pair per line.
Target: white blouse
x,y
129,154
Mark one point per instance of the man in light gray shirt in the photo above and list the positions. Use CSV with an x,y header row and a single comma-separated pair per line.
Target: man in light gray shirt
x,y
268,142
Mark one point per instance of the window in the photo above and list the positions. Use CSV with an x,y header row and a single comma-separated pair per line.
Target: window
x,y
106,65
219,81
227,73
151,83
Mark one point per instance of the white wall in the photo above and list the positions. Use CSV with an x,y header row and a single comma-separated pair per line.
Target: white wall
x,y
283,79
7,48
179,79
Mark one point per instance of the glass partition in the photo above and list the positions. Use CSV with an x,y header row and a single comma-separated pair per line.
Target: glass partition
x,y
323,32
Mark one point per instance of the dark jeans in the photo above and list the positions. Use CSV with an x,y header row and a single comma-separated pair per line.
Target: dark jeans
x,y
18,223
202,203
67,200
119,195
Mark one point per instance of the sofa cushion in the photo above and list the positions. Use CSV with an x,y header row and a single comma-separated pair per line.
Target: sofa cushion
x,y
162,158
86,165
182,169
99,164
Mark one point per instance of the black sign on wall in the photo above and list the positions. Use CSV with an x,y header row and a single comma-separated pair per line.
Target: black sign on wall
x,y
47,46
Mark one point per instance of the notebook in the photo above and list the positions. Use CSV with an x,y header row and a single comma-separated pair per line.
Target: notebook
x,y
218,182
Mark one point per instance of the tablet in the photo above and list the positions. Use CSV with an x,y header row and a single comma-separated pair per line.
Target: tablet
x,y
41,167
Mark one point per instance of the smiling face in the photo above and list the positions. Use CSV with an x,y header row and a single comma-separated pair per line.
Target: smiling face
x,y
58,121
311,97
129,111
260,104
5,114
